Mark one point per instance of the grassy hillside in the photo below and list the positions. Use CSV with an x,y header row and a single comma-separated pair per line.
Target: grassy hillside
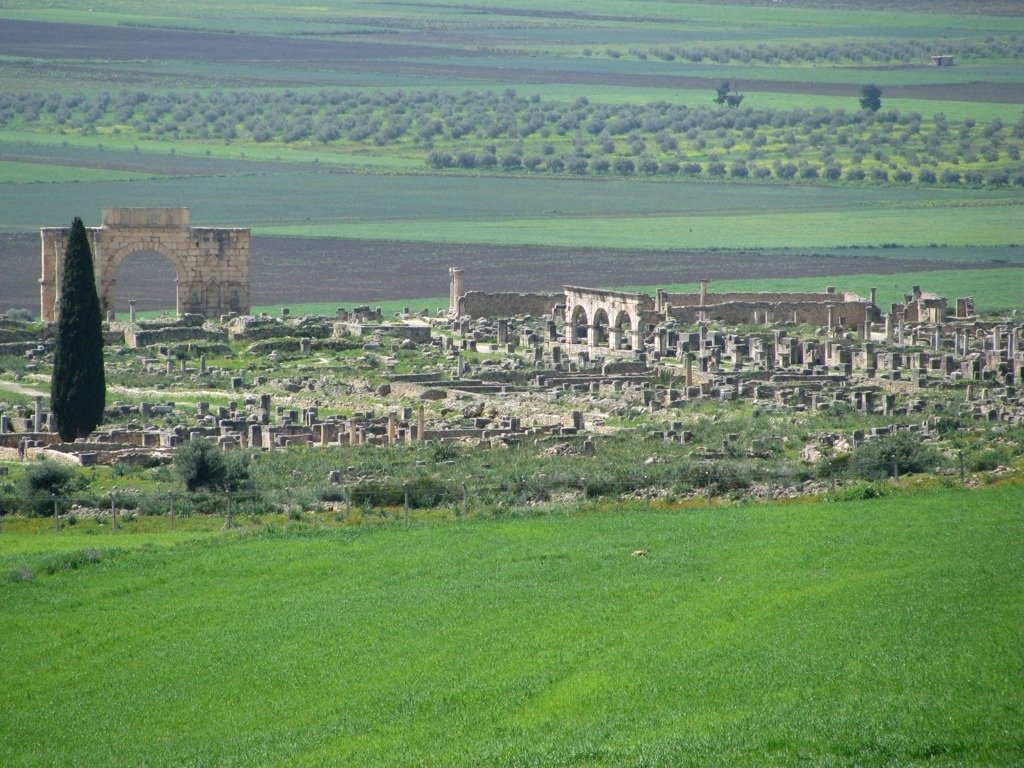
x,y
869,633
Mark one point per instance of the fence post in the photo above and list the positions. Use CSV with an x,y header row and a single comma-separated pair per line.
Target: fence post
x,y
586,492
56,513
113,514
465,500
227,522
895,468
963,477
405,491
348,503
170,509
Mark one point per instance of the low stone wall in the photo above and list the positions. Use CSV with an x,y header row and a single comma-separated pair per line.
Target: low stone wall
x,y
713,298
420,334
480,304
844,313
138,337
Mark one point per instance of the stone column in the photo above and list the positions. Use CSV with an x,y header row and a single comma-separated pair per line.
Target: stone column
x,y
391,429
689,370
831,319
614,338
131,310
704,292
37,422
888,328
353,432
454,289
421,424
503,331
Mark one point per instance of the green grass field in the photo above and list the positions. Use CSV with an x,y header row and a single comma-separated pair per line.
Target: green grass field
x,y
868,633
906,225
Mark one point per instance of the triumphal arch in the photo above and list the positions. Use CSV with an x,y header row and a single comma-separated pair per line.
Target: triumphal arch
x,y
211,266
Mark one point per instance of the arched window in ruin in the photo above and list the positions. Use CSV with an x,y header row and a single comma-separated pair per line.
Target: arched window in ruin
x,y
600,330
580,326
624,328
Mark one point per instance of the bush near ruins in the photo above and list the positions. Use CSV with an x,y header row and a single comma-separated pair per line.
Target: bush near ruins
x,y
885,456
201,466
45,480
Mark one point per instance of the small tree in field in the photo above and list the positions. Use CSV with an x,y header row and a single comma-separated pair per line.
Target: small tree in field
x,y
78,388
871,97
722,95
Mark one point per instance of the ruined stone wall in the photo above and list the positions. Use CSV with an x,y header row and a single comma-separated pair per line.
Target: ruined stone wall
x,y
693,299
480,304
844,313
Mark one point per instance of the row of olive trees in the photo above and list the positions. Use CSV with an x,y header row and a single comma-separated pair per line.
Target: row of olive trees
x,y
429,115
649,166
884,51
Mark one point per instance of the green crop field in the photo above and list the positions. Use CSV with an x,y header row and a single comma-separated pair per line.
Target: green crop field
x,y
857,633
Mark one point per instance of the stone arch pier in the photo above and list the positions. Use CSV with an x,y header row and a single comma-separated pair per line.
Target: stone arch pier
x,y
211,266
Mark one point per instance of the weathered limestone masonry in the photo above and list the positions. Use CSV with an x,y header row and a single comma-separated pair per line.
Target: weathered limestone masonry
x,y
845,310
211,266
610,319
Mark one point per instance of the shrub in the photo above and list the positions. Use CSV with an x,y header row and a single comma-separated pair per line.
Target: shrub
x,y
785,170
926,176
20,315
855,174
438,159
902,176
716,169
624,166
201,466
904,451
45,479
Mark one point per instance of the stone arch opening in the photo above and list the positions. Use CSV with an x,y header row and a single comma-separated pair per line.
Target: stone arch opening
x,y
601,326
623,331
579,326
148,277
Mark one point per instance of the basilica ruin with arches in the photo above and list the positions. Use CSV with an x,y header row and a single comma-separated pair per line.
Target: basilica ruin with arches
x,y
211,265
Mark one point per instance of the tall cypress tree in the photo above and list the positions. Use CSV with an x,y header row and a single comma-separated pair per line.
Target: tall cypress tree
x,y
78,389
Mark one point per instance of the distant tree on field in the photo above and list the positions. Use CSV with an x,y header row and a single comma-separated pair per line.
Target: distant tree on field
x,y
722,95
871,97
78,388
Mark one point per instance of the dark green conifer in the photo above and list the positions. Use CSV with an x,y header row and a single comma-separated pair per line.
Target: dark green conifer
x,y
78,389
